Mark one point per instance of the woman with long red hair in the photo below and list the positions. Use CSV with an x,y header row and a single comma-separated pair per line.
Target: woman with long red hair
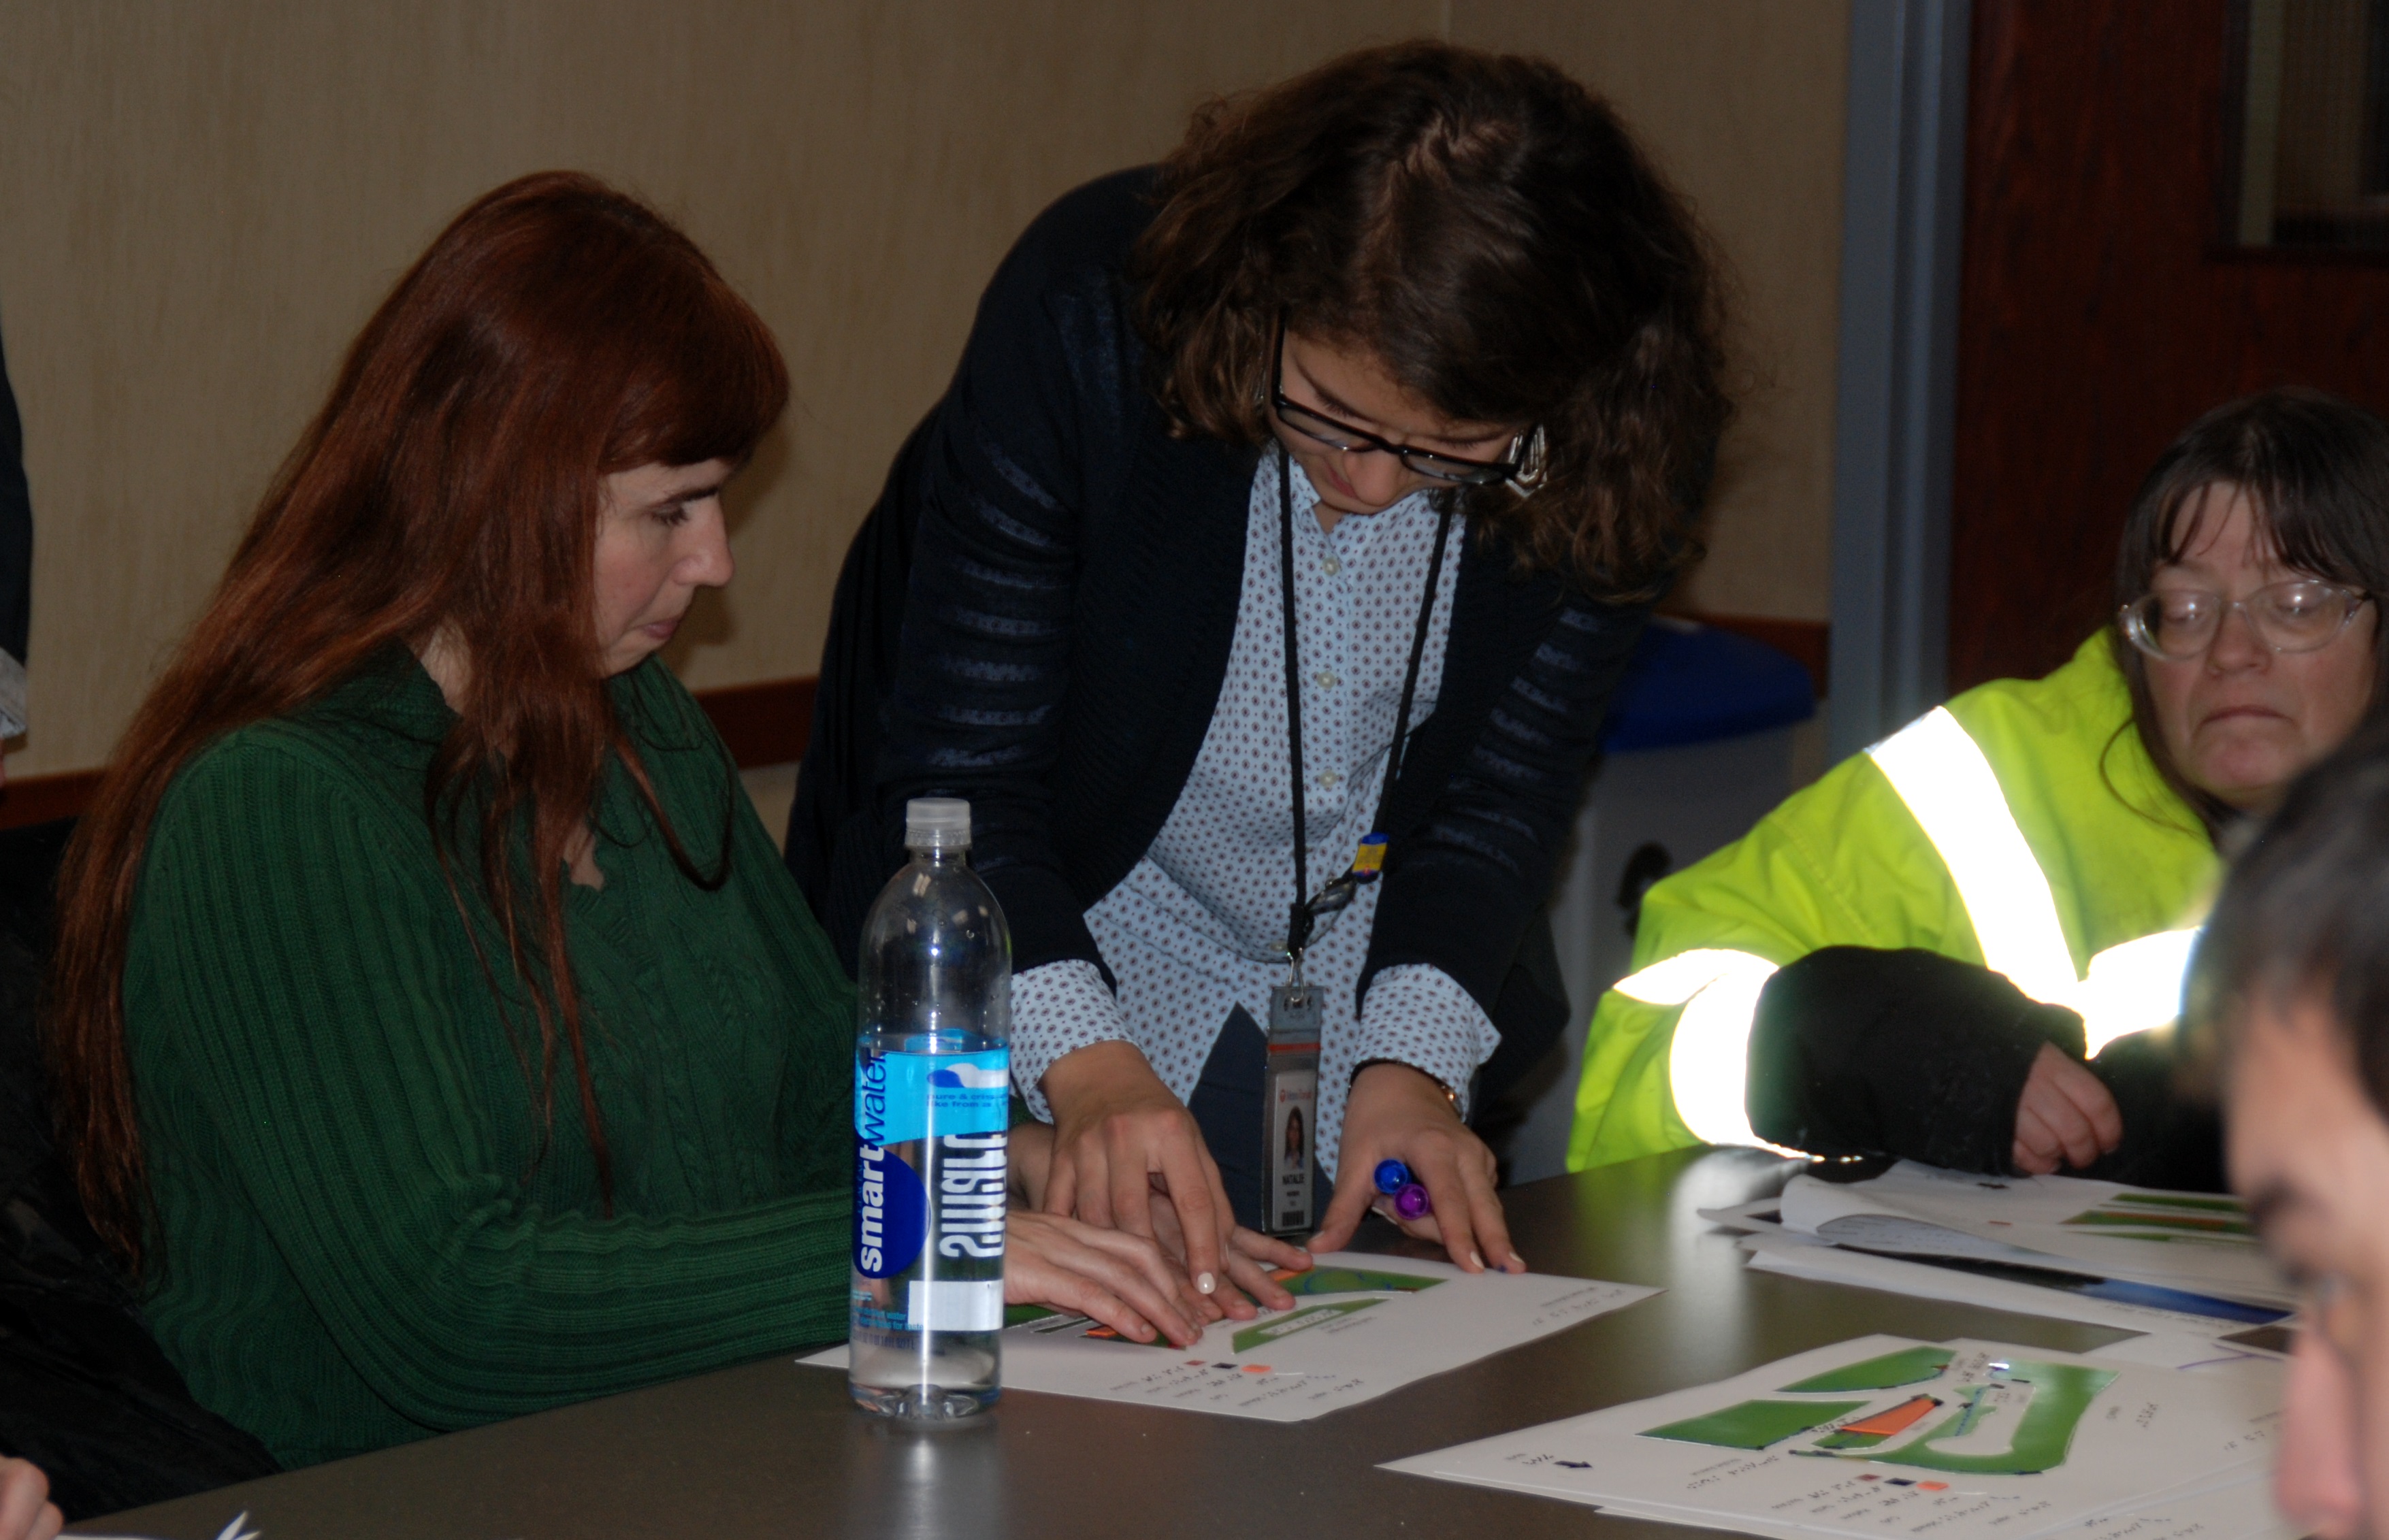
x,y
436,1030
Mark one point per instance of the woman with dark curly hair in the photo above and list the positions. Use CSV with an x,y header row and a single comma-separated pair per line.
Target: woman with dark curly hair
x,y
1343,451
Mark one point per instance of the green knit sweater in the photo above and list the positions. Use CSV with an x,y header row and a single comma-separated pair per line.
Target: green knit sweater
x,y
370,1233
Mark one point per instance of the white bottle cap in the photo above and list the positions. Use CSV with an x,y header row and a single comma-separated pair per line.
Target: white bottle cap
x,y
937,824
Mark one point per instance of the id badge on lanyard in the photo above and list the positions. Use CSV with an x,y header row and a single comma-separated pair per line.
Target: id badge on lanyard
x,y
1290,1088
1290,1110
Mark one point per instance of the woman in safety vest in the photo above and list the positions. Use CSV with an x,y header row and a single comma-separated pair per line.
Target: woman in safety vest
x,y
1958,946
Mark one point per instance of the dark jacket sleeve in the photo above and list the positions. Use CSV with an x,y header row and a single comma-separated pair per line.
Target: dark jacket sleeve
x,y
16,526
833,845
1489,790
1860,1051
1027,435
1472,862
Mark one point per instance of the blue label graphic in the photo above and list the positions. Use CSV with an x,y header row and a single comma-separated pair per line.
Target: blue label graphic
x,y
902,1097
891,1212
899,1098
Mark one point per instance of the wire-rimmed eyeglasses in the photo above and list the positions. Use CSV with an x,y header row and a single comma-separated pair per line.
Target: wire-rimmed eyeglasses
x,y
2300,616
1523,467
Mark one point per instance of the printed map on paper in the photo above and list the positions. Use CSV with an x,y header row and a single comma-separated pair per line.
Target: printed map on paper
x,y
1885,1436
1362,1325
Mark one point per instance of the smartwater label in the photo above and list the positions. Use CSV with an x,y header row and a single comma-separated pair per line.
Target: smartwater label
x,y
903,1097
903,1101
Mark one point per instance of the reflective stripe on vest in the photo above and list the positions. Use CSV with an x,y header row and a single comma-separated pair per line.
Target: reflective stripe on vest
x,y
1948,785
1940,773
2133,986
1708,1062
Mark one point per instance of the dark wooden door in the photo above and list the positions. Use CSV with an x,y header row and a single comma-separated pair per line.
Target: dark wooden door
x,y
2101,308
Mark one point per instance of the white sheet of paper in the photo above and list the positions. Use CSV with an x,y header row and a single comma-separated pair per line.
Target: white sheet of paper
x,y
237,1530
1853,1215
1893,1233
2198,1241
1362,1325
2243,1511
1973,1460
1764,1214
1794,1254
1869,1227
2189,1353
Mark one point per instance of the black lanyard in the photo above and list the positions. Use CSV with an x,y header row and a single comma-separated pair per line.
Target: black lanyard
x,y
1303,920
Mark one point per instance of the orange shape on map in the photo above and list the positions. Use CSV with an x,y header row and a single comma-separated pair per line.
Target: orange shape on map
x,y
1893,1420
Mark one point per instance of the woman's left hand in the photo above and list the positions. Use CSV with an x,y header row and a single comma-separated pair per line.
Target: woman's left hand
x,y
1398,1112
2066,1115
1123,1280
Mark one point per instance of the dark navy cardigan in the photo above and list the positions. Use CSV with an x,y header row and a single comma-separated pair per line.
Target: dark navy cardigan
x,y
1037,616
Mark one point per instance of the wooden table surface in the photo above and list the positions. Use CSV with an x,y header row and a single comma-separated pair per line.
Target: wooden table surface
x,y
772,1449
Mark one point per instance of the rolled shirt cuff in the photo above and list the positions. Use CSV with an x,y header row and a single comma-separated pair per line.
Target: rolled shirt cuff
x,y
1059,1009
1419,1015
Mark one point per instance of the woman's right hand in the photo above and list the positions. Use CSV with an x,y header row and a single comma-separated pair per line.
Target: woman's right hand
x,y
1118,1134
1252,1260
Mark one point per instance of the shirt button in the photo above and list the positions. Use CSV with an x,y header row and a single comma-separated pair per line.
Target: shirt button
x,y
1331,566
1328,778
1325,680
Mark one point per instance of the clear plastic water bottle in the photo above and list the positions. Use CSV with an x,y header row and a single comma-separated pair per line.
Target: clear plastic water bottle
x,y
932,1077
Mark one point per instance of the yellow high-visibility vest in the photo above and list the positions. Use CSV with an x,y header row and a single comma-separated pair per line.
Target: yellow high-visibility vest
x,y
2022,826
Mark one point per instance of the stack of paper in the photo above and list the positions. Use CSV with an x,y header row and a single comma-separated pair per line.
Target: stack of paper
x,y
2087,1250
1885,1436
1361,1325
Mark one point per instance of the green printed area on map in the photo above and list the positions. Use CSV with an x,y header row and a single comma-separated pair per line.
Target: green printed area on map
x,y
1754,1424
1262,1333
1042,1321
2147,1226
1352,1280
1910,1366
2187,1200
2060,1394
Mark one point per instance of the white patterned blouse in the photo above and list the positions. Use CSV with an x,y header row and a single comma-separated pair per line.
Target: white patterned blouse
x,y
1197,927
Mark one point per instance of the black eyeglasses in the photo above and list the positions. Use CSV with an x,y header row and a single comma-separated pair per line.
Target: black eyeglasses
x,y
1525,465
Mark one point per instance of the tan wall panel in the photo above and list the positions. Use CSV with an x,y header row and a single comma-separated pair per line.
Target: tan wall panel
x,y
1743,102
201,202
